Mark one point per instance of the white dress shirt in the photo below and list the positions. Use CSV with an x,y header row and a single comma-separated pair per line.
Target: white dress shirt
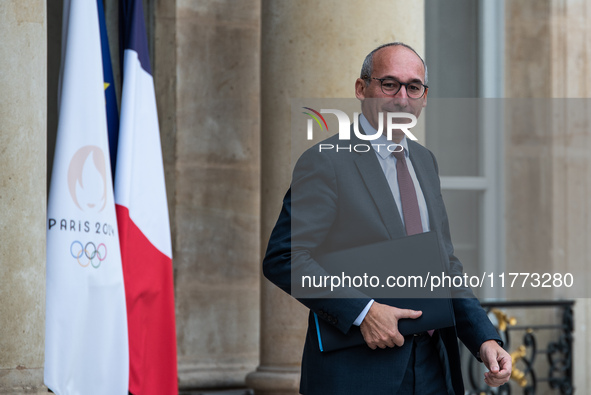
x,y
388,163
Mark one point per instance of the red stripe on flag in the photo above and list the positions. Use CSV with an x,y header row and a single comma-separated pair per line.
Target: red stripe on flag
x,y
149,294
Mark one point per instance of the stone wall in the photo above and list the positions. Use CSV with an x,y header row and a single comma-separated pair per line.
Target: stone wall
x,y
548,149
23,61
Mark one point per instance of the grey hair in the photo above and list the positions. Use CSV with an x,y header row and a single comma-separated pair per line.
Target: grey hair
x,y
367,68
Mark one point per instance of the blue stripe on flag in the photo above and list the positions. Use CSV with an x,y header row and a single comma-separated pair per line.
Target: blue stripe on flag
x,y
132,32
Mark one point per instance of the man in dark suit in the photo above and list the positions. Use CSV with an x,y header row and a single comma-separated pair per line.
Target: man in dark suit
x,y
339,200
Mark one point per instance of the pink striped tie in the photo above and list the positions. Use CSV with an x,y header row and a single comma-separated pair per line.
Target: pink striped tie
x,y
408,198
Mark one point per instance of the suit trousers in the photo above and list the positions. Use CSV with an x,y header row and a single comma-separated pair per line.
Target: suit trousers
x,y
424,373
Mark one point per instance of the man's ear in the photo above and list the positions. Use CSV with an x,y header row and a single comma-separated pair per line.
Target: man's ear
x,y
360,89
425,97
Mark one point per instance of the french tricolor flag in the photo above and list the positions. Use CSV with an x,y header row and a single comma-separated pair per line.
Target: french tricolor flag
x,y
142,215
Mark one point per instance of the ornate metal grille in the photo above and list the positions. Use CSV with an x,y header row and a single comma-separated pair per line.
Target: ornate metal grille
x,y
524,342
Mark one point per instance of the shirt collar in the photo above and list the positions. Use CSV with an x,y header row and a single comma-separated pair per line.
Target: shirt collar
x,y
381,150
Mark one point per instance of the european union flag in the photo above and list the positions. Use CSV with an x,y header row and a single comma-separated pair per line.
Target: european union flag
x,y
110,94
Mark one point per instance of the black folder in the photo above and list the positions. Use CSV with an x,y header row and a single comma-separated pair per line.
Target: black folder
x,y
414,255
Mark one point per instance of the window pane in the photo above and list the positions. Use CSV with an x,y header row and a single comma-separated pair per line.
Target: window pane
x,y
452,133
463,209
451,47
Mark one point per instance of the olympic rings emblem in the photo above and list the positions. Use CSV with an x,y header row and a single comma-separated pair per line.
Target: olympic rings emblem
x,y
95,255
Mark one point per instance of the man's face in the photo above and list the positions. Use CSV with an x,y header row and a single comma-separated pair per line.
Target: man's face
x,y
403,65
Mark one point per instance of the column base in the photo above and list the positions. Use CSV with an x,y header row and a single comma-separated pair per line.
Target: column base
x,y
24,391
22,380
270,380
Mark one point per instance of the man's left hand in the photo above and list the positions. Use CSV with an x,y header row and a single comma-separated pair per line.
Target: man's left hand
x,y
498,362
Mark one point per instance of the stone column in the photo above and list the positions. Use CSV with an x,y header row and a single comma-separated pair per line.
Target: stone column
x,y
309,49
23,109
210,116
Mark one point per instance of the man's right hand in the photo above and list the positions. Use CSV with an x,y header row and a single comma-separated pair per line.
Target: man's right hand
x,y
380,326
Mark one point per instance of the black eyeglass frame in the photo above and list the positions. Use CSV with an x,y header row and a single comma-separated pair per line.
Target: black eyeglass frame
x,y
406,84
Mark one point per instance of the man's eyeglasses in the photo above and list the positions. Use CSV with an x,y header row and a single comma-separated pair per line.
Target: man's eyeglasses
x,y
390,86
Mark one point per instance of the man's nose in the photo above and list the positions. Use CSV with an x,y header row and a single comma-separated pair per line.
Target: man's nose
x,y
402,93
401,98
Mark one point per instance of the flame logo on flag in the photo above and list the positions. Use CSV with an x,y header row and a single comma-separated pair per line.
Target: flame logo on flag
x,y
87,179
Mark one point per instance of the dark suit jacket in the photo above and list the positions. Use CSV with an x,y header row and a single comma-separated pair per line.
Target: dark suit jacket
x,y
342,200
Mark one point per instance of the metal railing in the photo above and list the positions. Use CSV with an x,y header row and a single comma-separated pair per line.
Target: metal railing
x,y
522,341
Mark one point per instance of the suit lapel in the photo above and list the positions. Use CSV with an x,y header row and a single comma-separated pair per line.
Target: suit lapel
x,y
376,183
